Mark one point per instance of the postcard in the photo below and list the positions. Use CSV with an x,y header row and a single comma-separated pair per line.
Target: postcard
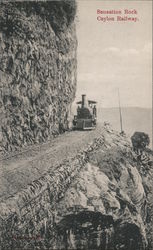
x,y
76,159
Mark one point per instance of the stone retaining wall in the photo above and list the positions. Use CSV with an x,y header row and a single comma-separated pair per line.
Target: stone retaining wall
x,y
27,216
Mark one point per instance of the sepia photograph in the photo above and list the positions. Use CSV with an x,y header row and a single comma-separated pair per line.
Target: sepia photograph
x,y
76,143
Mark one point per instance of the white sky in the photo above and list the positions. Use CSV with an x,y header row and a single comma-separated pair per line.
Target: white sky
x,y
115,54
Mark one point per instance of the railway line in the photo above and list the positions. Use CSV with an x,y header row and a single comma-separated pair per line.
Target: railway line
x,y
21,168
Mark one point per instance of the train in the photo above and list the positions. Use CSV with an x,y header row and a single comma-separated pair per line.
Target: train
x,y
86,118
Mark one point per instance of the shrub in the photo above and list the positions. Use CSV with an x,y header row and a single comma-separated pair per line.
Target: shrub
x,y
140,140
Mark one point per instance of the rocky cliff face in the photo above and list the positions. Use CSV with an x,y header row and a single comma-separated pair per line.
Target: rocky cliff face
x,y
99,199
105,207
37,70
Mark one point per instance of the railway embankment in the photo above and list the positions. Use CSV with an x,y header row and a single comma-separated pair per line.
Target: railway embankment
x,y
95,198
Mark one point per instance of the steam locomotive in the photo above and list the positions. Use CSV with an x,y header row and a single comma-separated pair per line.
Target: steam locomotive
x,y
86,115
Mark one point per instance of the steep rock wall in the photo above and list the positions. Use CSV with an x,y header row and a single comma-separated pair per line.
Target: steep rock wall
x,y
105,206
146,172
37,70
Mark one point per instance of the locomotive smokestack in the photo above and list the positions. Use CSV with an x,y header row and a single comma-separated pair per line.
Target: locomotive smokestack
x,y
84,104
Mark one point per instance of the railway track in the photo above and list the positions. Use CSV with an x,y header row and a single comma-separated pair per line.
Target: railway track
x,y
21,168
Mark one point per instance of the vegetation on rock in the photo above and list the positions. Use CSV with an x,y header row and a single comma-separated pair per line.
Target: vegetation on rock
x,y
140,140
